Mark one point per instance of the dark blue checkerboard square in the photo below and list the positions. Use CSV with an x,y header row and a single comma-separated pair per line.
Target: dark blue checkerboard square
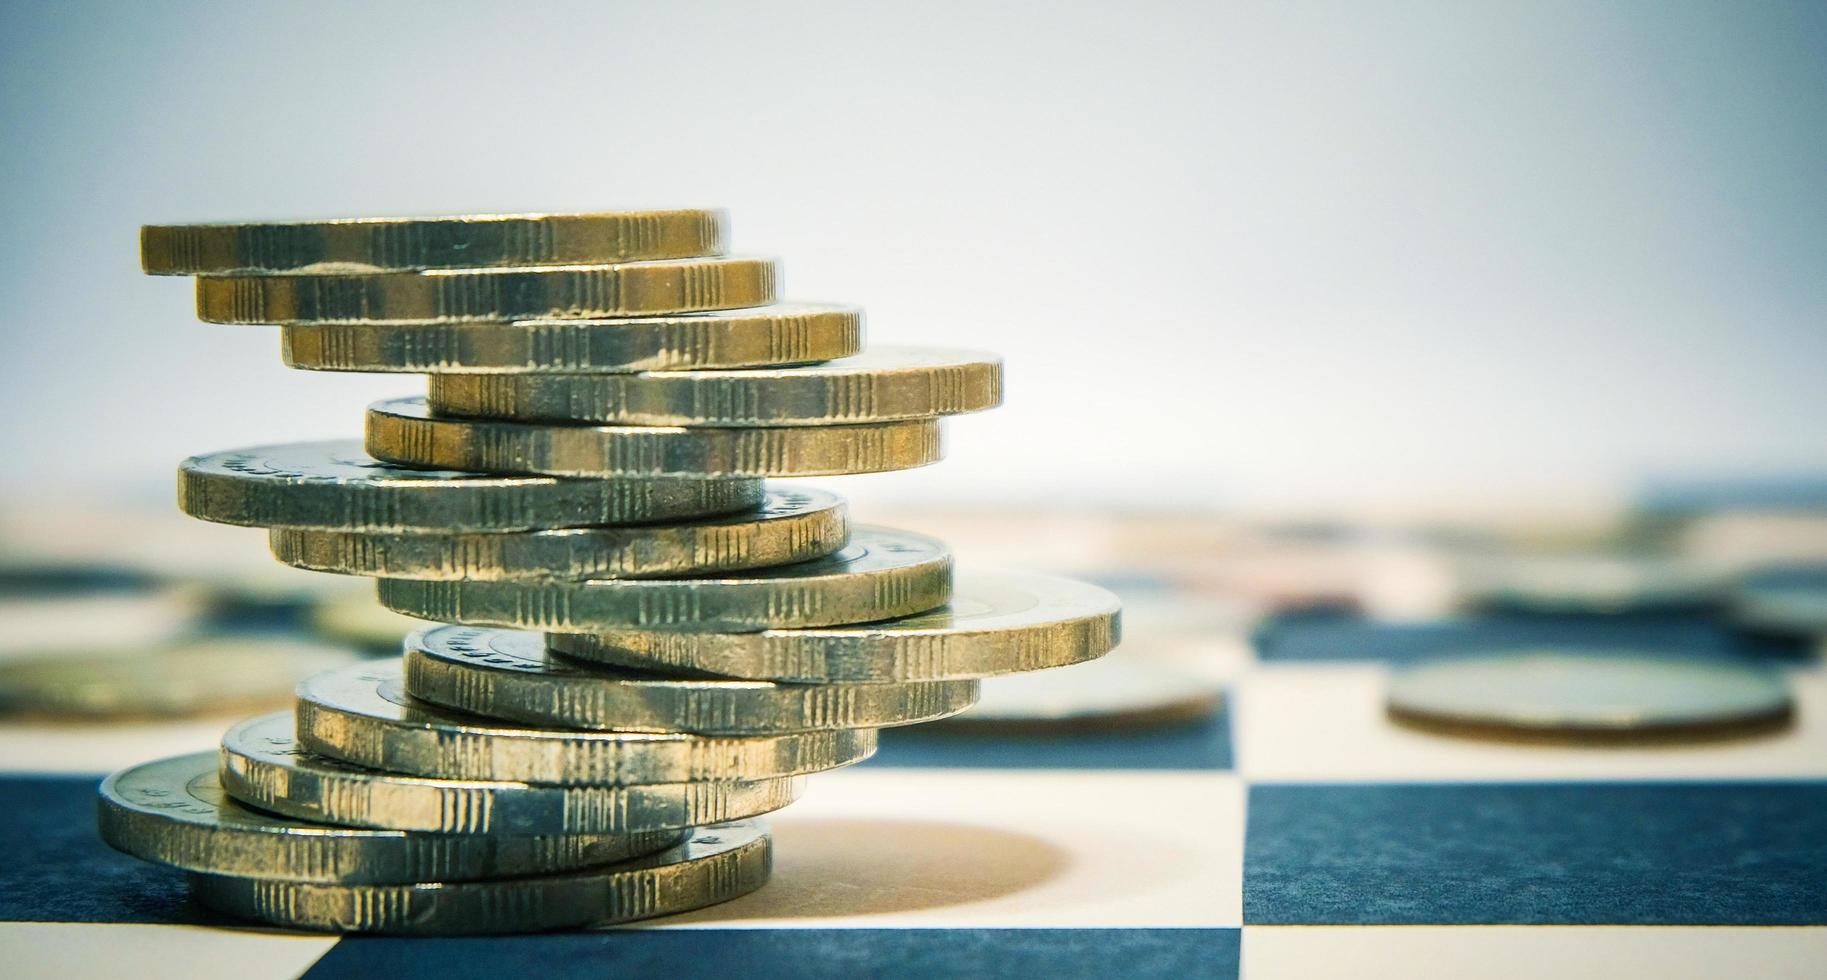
x,y
765,954
1339,637
1200,745
1563,854
57,870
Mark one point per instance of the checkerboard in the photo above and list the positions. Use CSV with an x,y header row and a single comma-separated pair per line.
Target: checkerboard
x,y
1297,834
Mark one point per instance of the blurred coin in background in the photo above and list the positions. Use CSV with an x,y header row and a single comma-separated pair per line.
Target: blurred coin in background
x,y
1743,540
179,678
1589,696
1788,601
1116,693
228,568
57,609
1590,581
361,621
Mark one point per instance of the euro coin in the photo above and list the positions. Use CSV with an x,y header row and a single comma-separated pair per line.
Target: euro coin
x,y
715,864
451,242
880,574
459,295
506,674
792,525
405,432
174,812
880,384
336,486
362,715
263,767
768,336
997,622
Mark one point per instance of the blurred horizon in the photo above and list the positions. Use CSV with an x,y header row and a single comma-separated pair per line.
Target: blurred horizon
x,y
1281,258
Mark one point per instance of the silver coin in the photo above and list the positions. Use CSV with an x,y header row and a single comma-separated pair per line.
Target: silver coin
x,y
1587,694
337,486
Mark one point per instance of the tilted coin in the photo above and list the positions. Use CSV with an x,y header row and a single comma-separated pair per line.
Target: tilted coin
x,y
997,622
445,242
454,295
174,812
363,715
786,333
404,431
1114,693
263,767
337,486
1549,693
792,525
188,677
880,384
880,574
1789,601
716,864
508,674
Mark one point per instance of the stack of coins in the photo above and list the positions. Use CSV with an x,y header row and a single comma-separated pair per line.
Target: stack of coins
x,y
608,394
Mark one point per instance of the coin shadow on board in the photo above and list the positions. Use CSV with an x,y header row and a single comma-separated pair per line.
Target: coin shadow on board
x,y
841,868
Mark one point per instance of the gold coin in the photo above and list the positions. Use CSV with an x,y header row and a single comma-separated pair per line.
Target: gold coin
x,y
440,295
263,767
357,245
336,486
768,336
716,864
363,716
880,384
997,622
174,812
882,573
404,431
507,674
792,525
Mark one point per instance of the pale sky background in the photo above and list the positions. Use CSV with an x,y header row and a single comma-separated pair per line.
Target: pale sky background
x,y
1249,255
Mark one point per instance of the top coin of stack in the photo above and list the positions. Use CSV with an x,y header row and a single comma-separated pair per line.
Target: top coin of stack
x,y
609,393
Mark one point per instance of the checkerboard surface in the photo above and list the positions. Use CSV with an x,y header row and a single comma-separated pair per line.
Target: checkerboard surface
x,y
1297,834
